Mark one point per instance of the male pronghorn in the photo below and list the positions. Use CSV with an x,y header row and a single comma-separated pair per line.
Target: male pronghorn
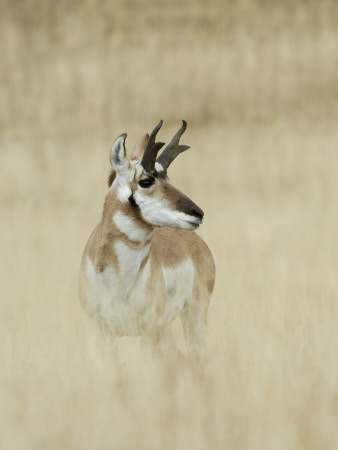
x,y
142,265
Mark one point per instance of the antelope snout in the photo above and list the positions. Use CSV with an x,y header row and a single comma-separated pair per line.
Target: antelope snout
x,y
187,206
196,212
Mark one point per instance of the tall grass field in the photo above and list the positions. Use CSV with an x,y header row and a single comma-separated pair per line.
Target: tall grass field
x,y
257,83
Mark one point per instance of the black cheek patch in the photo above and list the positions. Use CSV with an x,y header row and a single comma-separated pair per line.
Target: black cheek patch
x,y
132,201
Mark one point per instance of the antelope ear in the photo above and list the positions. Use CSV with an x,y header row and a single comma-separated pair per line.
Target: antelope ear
x,y
139,147
118,155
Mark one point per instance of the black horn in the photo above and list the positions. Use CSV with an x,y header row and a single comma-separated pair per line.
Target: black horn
x,y
173,149
151,150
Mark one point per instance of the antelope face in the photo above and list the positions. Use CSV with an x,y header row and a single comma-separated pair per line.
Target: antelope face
x,y
145,185
161,204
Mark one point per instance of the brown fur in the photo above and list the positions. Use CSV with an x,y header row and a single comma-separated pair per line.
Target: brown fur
x,y
140,145
111,177
169,247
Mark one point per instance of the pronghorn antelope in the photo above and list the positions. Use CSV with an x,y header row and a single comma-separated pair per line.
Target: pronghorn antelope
x,y
143,265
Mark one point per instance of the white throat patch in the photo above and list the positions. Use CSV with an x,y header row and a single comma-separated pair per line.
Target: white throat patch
x,y
128,227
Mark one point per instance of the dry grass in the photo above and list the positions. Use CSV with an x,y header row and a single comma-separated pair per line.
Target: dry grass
x,y
257,83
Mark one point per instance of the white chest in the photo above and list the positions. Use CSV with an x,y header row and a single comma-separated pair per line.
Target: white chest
x,y
124,296
179,284
119,295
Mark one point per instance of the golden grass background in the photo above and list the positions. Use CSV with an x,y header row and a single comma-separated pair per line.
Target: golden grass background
x,y
257,83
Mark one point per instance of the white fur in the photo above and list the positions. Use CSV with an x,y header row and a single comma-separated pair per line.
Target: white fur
x,y
128,227
120,296
123,189
158,213
130,261
136,165
123,180
179,282
104,288
159,167
118,157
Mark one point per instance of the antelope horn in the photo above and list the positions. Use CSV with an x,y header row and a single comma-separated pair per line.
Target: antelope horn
x,y
151,150
173,149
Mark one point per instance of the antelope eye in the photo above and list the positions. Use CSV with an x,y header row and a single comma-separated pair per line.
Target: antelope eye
x,y
146,182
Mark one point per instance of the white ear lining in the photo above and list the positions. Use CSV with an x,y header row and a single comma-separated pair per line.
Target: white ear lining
x,y
118,157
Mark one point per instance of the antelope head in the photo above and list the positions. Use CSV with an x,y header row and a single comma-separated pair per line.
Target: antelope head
x,y
143,181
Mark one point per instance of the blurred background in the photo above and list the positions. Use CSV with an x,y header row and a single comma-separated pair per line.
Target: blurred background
x,y
257,83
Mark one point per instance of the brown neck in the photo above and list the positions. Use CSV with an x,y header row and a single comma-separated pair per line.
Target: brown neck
x,y
135,232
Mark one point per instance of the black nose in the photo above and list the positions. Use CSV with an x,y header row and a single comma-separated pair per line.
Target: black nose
x,y
187,206
197,212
